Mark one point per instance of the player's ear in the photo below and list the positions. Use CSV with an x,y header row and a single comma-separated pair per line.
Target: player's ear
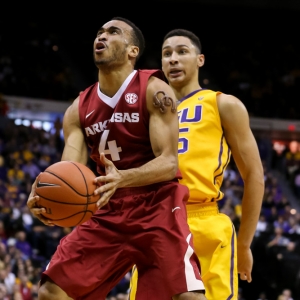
x,y
134,51
200,60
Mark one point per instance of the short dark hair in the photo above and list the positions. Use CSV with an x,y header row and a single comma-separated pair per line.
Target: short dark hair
x,y
137,35
187,33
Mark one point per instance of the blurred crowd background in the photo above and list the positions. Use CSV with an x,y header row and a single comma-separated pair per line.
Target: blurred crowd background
x,y
251,52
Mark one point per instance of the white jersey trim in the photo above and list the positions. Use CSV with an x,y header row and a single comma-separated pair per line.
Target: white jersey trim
x,y
112,102
193,284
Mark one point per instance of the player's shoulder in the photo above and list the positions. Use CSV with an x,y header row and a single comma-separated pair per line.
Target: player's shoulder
x,y
152,73
72,110
228,101
88,89
231,108
156,84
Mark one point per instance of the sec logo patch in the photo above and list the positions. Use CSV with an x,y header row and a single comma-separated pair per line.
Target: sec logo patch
x,y
131,98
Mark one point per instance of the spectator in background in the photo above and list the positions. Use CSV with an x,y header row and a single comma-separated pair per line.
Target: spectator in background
x,y
262,296
16,175
3,293
282,223
297,183
23,245
24,284
3,169
288,267
292,161
7,277
286,295
26,153
278,239
31,168
262,225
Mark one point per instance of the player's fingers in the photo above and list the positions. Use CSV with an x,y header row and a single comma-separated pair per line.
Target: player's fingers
x,y
37,212
249,277
31,202
104,198
100,179
33,187
246,276
46,221
35,182
105,161
108,186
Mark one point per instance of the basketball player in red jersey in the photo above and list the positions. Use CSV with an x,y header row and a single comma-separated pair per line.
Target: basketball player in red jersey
x,y
129,120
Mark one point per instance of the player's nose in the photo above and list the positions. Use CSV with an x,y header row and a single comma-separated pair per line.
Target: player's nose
x,y
102,36
173,58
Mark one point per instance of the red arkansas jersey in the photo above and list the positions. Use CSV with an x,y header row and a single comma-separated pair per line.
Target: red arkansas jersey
x,y
118,126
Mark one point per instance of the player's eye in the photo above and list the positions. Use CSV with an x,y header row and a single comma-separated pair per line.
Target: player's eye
x,y
114,31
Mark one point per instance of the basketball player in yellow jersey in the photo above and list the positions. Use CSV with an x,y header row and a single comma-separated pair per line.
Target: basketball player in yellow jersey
x,y
212,126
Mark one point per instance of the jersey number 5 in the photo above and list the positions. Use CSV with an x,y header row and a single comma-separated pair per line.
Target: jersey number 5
x,y
195,117
183,143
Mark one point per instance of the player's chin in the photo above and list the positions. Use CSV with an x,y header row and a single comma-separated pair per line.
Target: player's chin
x,y
177,81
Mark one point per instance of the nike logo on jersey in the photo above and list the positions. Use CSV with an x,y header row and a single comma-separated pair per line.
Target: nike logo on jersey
x,y
89,114
200,98
222,246
43,184
177,207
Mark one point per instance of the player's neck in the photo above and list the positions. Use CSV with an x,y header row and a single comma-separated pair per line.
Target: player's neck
x,y
183,91
110,81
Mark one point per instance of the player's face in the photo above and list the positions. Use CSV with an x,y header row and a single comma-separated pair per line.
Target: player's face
x,y
180,60
111,43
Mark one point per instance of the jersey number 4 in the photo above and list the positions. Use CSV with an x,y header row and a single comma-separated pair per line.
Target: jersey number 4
x,y
113,150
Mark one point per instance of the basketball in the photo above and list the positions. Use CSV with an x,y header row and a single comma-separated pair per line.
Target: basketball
x,y
66,192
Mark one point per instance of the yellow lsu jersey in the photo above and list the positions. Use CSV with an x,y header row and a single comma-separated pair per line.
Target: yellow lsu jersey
x,y
203,151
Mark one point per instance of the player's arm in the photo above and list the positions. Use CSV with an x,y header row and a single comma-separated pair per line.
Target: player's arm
x,y
75,150
163,130
235,122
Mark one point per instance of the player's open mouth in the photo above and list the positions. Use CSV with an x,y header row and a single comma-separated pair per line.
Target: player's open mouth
x,y
100,46
175,73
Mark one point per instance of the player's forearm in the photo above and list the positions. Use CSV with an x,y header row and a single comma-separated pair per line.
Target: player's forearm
x,y
251,208
158,170
72,153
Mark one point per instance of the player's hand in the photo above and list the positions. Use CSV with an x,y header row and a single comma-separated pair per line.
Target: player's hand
x,y
245,263
32,204
109,183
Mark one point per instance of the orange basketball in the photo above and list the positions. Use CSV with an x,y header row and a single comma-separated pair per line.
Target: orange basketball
x,y
66,192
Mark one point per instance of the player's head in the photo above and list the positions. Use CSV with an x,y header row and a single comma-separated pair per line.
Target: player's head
x,y
137,37
188,34
118,40
181,57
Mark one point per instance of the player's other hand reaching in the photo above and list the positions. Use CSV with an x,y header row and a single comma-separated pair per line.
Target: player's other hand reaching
x,y
32,205
108,183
